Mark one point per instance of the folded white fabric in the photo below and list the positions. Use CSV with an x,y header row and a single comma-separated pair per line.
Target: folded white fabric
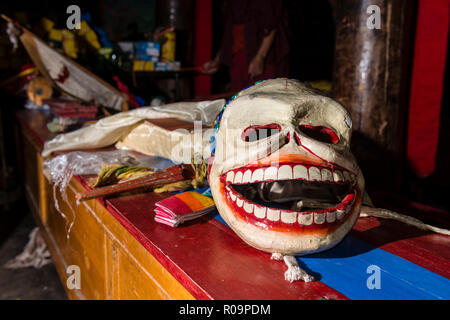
x,y
109,130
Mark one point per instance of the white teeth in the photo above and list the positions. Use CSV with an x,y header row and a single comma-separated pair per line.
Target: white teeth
x,y
260,212
238,177
230,176
271,173
247,176
314,174
347,176
258,175
248,207
319,218
305,219
300,172
273,215
288,216
337,175
285,173
326,175
331,216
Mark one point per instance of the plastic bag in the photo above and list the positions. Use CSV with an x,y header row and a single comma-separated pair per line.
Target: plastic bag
x,y
63,167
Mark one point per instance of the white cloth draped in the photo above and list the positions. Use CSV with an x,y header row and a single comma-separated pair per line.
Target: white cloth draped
x,y
109,130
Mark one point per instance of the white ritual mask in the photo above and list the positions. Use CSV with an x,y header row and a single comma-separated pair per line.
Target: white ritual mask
x,y
283,176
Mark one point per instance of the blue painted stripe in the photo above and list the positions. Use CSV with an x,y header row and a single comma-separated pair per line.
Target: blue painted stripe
x,y
345,269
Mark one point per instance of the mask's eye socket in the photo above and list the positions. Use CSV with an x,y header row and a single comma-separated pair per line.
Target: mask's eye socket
x,y
320,133
258,132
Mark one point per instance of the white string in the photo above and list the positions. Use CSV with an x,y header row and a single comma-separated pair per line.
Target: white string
x,y
367,211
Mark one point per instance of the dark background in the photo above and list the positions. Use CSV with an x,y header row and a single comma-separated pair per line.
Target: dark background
x,y
312,43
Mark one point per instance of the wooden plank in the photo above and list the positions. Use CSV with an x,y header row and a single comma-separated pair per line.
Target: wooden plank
x,y
42,191
80,241
129,280
127,249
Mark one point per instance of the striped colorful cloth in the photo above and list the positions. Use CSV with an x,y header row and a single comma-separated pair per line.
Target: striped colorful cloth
x,y
183,207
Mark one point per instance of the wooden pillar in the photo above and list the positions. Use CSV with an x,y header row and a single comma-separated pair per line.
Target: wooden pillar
x,y
370,78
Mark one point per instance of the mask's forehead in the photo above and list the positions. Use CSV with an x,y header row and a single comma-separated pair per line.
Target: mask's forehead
x,y
285,100
267,101
283,86
258,109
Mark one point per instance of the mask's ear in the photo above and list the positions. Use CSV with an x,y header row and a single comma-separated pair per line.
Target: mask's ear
x,y
210,162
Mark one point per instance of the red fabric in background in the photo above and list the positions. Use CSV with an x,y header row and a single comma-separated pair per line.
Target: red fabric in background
x,y
427,84
203,44
239,76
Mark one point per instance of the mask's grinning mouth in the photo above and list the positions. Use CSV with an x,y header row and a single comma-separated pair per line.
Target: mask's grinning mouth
x,y
294,194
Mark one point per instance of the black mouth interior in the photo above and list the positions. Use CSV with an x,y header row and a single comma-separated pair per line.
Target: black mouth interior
x,y
297,195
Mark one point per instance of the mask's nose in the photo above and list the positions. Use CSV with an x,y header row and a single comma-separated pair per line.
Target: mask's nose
x,y
297,139
294,137
292,151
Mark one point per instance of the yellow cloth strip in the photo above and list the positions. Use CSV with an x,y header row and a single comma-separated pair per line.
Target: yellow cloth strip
x,y
206,201
194,200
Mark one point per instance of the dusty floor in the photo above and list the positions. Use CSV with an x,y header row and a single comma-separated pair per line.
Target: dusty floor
x,y
26,283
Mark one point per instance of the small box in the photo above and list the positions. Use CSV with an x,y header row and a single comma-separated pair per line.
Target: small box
x,y
149,66
161,66
148,51
168,49
167,66
138,65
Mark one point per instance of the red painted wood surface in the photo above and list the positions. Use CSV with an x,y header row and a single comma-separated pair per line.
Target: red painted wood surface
x,y
211,262
428,250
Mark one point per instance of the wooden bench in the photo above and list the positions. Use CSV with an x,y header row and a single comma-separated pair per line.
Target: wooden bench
x,y
123,253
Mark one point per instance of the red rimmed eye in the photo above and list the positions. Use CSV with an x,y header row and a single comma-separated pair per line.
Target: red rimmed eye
x,y
257,132
320,133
